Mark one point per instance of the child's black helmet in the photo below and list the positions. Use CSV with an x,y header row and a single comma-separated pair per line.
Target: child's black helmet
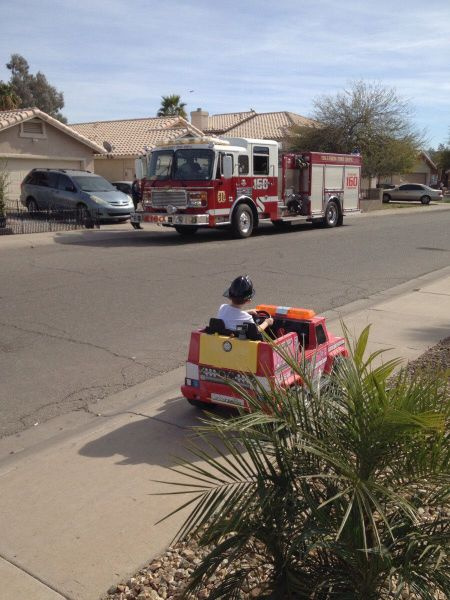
x,y
241,288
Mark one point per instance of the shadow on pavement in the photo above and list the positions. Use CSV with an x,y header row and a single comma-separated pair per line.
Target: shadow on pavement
x,y
165,238
153,439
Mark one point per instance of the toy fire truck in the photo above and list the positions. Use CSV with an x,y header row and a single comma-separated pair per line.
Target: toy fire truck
x,y
240,183
219,358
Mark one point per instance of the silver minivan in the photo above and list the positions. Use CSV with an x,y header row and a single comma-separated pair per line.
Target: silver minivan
x,y
64,189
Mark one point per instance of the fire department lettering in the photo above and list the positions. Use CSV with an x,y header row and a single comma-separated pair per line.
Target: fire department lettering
x,y
221,197
261,183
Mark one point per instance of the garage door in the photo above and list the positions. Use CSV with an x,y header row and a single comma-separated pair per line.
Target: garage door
x,y
415,178
18,168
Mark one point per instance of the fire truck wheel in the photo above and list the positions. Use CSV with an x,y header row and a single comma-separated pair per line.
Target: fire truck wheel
x,y
331,214
242,223
186,229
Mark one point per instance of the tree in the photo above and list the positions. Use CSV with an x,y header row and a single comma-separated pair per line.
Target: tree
x,y
366,118
441,158
320,494
4,183
171,106
9,100
34,90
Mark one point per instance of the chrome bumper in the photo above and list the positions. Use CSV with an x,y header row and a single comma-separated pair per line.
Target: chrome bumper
x,y
140,218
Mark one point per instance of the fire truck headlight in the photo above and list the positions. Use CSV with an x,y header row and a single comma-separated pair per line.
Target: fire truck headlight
x,y
197,199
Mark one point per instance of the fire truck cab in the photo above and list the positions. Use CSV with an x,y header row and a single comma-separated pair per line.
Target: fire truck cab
x,y
219,358
239,183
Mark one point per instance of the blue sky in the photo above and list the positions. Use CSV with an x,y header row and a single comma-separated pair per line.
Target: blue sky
x,y
115,59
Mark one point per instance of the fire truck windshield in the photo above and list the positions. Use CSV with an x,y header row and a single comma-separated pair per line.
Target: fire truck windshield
x,y
186,163
193,164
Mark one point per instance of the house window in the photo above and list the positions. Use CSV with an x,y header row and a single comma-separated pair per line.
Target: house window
x,y
34,128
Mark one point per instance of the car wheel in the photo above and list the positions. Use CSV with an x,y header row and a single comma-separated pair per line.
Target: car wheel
x,y
186,229
242,223
331,218
32,205
425,199
386,198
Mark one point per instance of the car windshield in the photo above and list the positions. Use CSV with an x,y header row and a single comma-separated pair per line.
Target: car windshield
x,y
90,183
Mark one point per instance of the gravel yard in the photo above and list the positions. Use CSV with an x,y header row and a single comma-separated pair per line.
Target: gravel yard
x,y
165,577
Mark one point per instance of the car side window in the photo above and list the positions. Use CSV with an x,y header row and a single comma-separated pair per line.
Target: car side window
x,y
52,180
321,338
65,184
416,187
43,179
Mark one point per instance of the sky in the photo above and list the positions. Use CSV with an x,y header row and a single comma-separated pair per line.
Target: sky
x,y
115,59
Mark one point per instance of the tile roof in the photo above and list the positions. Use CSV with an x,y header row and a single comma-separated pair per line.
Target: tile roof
x,y
10,118
129,137
220,123
272,125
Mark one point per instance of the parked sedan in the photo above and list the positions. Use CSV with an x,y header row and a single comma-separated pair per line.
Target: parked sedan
x,y
412,191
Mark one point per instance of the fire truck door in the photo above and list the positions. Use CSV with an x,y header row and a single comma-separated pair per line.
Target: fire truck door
x,y
316,189
351,188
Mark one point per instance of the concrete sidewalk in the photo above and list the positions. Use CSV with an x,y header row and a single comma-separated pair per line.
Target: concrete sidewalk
x,y
78,510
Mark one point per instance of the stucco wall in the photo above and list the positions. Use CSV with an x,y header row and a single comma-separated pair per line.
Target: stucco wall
x,y
56,144
115,169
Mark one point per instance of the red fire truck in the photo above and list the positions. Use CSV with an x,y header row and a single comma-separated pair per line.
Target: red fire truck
x,y
237,182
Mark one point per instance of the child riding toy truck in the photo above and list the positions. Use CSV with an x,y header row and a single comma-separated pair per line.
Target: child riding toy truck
x,y
219,358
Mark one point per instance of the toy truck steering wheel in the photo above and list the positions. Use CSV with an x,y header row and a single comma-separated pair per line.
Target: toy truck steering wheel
x,y
261,316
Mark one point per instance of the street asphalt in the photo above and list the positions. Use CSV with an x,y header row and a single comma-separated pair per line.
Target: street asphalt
x,y
77,503
86,314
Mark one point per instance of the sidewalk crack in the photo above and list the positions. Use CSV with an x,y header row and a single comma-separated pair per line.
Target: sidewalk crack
x,y
42,581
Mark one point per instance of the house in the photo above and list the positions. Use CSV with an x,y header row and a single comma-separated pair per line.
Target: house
x,y
423,171
250,124
127,139
30,138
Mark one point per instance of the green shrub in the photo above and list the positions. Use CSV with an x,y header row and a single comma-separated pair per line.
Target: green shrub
x,y
340,492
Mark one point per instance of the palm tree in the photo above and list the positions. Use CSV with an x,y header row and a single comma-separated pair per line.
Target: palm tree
x,y
325,489
172,107
9,100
